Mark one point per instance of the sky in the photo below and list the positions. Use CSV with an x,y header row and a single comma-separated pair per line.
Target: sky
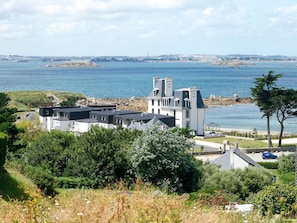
x,y
147,27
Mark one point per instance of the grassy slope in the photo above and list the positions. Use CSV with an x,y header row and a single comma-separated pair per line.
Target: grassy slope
x,y
26,100
13,185
143,204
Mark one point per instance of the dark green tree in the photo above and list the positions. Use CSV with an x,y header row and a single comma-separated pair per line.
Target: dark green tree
x,y
101,155
49,151
7,122
263,95
3,150
286,101
162,157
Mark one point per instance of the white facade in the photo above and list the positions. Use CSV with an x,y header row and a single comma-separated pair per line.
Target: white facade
x,y
186,104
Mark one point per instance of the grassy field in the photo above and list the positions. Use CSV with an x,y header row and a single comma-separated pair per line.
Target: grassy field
x,y
27,100
142,204
242,143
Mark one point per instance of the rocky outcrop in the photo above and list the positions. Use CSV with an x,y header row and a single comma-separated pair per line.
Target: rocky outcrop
x,y
140,104
74,64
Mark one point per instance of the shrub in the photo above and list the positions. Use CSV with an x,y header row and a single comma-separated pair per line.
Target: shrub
x,y
287,163
3,149
269,165
277,199
43,180
162,157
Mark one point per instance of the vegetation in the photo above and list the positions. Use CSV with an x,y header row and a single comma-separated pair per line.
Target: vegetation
x,y
147,176
143,204
162,157
26,100
263,94
278,199
236,184
242,143
273,100
286,100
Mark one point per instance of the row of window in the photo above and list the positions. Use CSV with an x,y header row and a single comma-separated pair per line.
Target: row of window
x,y
166,102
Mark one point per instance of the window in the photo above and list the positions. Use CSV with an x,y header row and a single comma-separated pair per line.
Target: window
x,y
187,124
187,114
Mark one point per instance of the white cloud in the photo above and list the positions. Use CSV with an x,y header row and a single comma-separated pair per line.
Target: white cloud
x,y
160,24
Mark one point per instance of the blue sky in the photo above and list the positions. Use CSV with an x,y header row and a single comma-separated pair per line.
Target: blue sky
x,y
142,27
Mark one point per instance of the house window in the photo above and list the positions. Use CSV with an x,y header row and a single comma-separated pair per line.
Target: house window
x,y
187,114
187,124
176,102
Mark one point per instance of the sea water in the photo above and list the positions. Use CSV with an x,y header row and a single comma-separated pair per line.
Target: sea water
x,y
127,79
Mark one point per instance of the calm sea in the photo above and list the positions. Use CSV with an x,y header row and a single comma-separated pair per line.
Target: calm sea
x,y
125,79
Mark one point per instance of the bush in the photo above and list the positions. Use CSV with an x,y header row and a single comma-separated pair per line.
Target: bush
x,y
43,180
3,149
269,165
287,163
162,158
277,199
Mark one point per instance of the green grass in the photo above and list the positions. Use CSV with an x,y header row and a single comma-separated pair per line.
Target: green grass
x,y
13,184
242,143
26,100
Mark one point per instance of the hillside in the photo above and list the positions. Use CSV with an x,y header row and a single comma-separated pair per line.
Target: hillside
x,y
143,204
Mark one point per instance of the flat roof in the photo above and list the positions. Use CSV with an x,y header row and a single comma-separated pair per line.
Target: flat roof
x,y
114,112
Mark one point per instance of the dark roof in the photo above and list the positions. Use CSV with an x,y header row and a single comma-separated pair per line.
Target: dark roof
x,y
76,109
142,116
114,112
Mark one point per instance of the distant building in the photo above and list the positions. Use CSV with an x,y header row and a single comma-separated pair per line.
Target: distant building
x,y
185,104
81,119
182,108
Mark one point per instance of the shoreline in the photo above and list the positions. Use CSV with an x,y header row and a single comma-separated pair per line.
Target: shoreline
x,y
140,103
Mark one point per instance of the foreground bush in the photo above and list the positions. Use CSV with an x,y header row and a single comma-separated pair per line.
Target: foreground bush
x,y
278,199
162,157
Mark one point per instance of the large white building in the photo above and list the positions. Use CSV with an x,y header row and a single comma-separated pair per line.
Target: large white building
x,y
185,104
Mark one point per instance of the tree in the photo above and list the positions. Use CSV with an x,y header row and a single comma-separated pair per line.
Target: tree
x,y
49,151
263,95
286,101
101,155
3,150
7,122
162,158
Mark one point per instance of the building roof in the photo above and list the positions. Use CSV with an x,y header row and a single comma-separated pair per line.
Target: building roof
x,y
143,126
76,109
114,112
224,161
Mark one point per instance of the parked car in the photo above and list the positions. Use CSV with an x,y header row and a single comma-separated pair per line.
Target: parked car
x,y
268,155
